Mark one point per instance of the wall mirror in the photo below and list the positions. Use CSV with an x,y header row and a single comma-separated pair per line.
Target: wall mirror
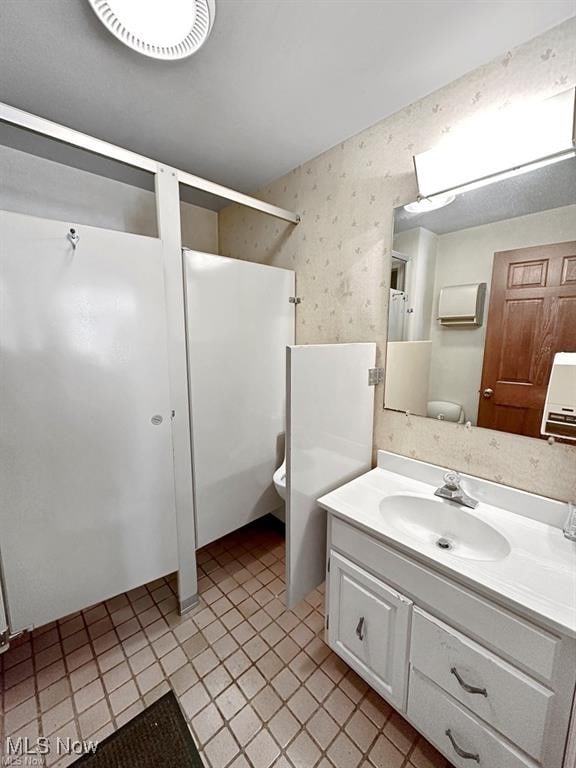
x,y
483,296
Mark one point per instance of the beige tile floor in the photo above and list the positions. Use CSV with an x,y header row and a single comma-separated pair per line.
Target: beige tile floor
x,y
257,683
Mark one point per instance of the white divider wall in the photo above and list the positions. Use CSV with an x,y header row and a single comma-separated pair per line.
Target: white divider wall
x,y
328,442
239,321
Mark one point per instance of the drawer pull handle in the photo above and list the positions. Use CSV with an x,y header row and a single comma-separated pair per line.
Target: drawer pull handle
x,y
360,629
461,752
464,684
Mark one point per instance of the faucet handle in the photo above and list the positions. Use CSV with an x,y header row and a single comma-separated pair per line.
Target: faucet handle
x,y
452,480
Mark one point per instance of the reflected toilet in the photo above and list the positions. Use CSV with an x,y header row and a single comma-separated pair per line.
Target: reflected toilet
x,y
444,410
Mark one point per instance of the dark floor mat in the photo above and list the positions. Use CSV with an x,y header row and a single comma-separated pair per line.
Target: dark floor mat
x,y
158,736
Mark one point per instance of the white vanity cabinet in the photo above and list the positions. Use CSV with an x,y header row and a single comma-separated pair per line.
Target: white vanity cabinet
x,y
486,686
369,627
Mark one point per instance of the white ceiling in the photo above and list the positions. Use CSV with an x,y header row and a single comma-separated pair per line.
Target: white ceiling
x,y
278,82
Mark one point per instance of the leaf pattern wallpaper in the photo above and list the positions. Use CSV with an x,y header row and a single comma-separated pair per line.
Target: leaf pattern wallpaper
x,y
341,250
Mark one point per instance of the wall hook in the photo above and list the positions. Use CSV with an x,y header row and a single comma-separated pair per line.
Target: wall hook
x,y
73,238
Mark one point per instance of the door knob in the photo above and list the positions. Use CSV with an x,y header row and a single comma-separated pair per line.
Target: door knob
x,y
487,393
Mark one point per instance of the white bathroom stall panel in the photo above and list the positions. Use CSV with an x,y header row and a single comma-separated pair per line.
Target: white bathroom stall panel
x,y
86,470
239,320
328,442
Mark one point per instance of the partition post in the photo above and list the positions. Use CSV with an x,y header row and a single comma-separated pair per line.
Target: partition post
x,y
168,215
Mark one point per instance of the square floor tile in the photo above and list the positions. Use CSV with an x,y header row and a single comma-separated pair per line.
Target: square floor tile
x,y
263,750
284,726
245,725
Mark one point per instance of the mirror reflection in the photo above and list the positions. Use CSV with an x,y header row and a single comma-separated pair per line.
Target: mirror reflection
x,y
483,296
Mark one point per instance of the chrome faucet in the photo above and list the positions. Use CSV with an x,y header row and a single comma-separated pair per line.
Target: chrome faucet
x,y
452,490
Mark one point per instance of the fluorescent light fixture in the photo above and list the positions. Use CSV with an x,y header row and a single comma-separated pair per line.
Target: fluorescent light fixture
x,y
426,204
498,145
509,174
162,29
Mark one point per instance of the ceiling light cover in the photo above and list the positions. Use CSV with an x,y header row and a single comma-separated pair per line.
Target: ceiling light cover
x,y
161,29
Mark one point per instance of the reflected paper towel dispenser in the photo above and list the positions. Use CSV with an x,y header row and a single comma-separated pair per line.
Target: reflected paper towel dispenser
x,y
559,418
462,305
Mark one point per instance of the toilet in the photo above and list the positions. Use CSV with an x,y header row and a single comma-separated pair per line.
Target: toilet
x,y
279,478
445,411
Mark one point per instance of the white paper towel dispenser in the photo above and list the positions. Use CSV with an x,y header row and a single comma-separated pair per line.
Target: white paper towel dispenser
x,y
460,305
559,418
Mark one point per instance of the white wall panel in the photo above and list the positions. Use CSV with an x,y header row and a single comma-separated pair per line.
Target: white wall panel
x,y
239,321
329,442
87,507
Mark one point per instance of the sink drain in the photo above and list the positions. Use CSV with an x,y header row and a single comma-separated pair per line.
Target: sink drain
x,y
444,543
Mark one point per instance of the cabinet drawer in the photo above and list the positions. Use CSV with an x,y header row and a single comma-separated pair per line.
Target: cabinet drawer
x,y
369,627
439,717
455,663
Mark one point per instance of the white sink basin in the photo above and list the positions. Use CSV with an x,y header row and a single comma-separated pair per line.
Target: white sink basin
x,y
443,525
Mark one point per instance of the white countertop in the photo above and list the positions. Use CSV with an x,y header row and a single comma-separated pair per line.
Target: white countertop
x,y
537,578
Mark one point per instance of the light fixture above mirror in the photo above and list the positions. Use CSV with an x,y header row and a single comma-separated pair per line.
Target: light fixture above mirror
x,y
499,145
161,29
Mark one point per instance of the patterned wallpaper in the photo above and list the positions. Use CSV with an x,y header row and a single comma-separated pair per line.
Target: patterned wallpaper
x,y
341,250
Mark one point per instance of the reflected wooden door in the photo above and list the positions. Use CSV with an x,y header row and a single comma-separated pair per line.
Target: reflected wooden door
x,y
532,315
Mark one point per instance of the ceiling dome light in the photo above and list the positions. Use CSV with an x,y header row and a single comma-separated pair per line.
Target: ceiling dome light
x,y
426,204
162,29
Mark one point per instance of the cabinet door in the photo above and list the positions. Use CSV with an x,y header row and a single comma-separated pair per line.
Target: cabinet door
x,y
369,627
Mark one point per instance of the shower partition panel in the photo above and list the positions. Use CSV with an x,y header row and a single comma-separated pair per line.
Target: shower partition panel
x,y
86,470
328,442
239,319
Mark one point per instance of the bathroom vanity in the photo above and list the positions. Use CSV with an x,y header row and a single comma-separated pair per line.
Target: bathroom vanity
x,y
463,620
